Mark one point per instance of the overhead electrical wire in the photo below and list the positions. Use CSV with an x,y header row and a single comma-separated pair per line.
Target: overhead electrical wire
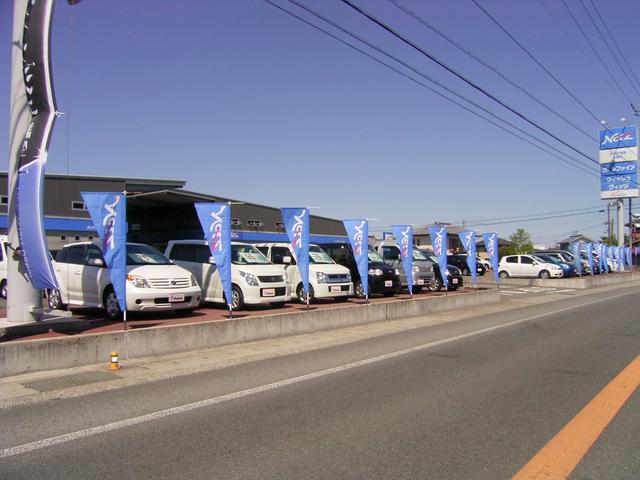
x,y
490,67
531,215
624,58
606,43
532,219
593,49
579,163
537,62
465,79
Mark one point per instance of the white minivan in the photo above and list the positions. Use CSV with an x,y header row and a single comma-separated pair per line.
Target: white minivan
x,y
255,280
153,282
327,279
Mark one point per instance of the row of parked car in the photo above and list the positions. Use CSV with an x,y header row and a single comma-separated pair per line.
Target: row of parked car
x,y
549,264
265,273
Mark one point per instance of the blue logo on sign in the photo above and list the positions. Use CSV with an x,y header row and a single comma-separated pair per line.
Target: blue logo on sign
x,y
618,137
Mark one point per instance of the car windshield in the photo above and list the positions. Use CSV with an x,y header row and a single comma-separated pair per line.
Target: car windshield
x,y
419,255
433,258
544,259
247,255
145,255
374,256
317,255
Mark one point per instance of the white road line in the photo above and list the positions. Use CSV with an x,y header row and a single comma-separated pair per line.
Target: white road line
x,y
87,432
563,291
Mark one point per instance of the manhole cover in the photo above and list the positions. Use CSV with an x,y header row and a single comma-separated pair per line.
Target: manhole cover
x,y
58,383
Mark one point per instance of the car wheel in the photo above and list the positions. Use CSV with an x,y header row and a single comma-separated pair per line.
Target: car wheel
x,y
111,305
3,289
54,300
544,274
436,286
302,295
359,290
237,299
503,274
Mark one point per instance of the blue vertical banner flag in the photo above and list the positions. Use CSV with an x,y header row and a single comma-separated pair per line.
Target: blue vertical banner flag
x,y
296,222
620,256
33,242
215,219
610,257
491,245
404,238
574,248
602,257
589,248
108,211
627,251
468,240
438,236
358,233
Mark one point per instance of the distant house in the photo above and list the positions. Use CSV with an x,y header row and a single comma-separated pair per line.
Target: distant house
x,y
481,250
577,237
422,239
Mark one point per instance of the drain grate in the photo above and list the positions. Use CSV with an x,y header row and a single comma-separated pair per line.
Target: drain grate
x,y
58,383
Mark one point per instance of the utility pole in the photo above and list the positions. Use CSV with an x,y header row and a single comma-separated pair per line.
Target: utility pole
x,y
22,299
620,206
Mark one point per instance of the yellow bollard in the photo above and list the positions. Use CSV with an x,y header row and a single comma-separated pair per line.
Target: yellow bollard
x,y
113,363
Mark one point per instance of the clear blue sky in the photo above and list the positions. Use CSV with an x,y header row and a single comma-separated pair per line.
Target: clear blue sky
x,y
243,101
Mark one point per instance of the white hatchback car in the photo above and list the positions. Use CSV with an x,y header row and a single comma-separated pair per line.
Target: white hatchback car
x,y
153,283
327,279
527,266
255,280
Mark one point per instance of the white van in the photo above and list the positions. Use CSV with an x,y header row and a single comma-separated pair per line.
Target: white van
x,y
255,280
3,266
327,279
153,282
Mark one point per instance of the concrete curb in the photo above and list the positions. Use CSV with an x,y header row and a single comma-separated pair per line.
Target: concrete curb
x,y
576,282
46,354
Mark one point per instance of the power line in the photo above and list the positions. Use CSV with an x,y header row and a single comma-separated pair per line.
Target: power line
x,y
529,215
579,164
606,43
532,219
490,67
593,49
537,62
465,79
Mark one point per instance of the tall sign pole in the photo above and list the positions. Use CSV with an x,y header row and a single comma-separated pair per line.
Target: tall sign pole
x,y
22,299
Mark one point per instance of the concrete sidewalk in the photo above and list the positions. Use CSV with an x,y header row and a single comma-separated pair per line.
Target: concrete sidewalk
x,y
43,386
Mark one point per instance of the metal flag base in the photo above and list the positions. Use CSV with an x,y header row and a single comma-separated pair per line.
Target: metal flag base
x,y
230,312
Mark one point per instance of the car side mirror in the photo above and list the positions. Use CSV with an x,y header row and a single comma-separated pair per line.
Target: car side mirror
x,y
286,259
399,256
95,262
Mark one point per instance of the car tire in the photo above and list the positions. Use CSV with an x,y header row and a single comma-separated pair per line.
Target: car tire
x,y
111,306
359,290
301,294
437,285
3,289
237,298
503,274
544,274
54,300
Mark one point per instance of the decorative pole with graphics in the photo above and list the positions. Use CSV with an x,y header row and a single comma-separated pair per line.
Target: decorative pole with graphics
x,y
358,234
296,222
468,240
404,239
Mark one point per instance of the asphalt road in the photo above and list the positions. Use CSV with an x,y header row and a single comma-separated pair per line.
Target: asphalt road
x,y
456,405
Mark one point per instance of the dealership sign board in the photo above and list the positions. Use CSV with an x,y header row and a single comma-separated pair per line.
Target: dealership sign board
x,y
619,162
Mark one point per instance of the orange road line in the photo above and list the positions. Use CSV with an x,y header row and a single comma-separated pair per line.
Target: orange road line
x,y
560,456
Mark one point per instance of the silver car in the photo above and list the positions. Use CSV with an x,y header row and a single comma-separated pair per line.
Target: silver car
x,y
423,274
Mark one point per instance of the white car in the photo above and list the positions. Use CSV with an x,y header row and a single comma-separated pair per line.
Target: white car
x,y
527,266
327,279
255,280
153,282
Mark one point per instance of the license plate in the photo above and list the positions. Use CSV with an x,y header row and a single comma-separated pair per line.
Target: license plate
x,y
268,292
335,289
420,281
454,280
388,283
176,297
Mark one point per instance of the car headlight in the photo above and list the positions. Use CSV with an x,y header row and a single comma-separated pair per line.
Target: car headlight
x,y
448,273
322,278
416,268
348,277
250,278
194,282
375,271
397,272
138,282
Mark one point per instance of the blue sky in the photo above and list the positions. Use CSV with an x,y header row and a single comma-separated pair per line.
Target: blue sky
x,y
243,101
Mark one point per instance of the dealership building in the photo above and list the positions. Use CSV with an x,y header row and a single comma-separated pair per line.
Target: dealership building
x,y
157,211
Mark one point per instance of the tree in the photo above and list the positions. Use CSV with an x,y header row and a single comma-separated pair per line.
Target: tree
x,y
520,243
